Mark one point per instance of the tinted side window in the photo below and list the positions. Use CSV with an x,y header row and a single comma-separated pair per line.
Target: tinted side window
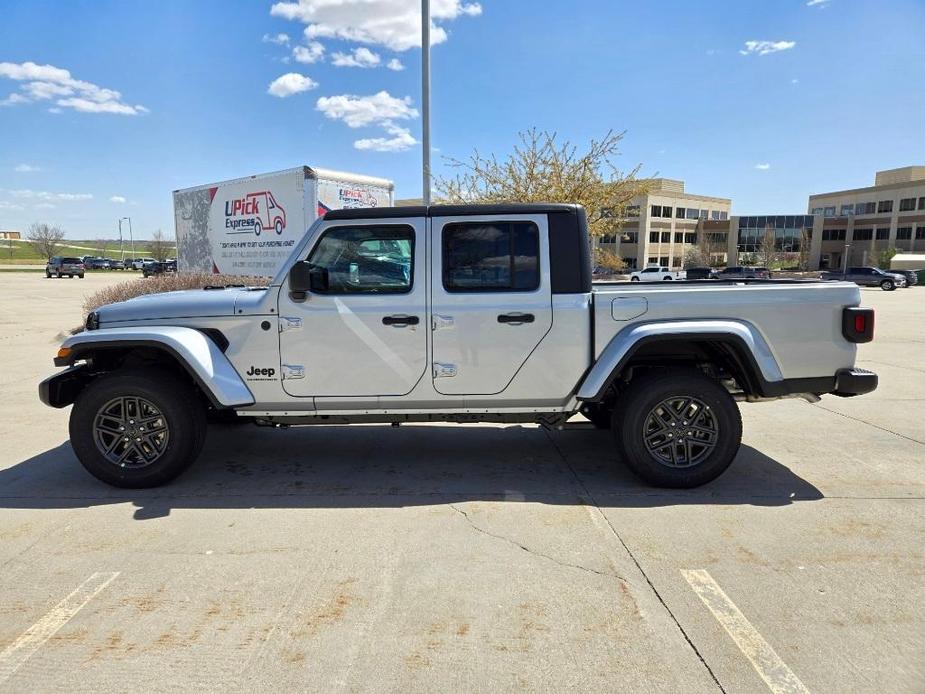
x,y
491,257
367,259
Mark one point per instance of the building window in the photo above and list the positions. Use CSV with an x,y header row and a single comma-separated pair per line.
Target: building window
x,y
692,213
632,210
608,238
676,262
690,238
656,210
833,234
904,234
906,204
919,233
885,206
653,237
817,210
829,212
883,234
679,212
631,237
704,214
663,260
679,237
723,216
666,237
630,263
865,208
863,234
717,238
922,203
491,257
846,210
652,261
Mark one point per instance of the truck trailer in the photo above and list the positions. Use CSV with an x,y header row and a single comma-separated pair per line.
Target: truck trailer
x,y
250,225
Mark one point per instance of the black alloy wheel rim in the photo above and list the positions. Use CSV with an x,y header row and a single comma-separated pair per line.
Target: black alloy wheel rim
x,y
680,432
131,432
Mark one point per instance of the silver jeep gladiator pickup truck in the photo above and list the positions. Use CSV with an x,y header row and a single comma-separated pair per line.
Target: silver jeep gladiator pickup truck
x,y
461,313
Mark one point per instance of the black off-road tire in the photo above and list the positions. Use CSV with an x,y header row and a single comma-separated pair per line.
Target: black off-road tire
x,y
642,400
599,415
178,404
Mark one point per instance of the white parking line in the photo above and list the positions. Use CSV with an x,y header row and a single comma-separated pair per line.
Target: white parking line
x,y
21,649
774,671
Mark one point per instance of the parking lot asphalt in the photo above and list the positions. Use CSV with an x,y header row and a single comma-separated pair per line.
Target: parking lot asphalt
x,y
467,557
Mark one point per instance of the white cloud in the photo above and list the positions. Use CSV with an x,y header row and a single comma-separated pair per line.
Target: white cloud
x,y
289,84
395,64
400,141
43,206
26,194
278,39
117,198
4,205
794,81
817,3
26,168
766,47
359,111
762,167
360,57
311,53
47,82
395,24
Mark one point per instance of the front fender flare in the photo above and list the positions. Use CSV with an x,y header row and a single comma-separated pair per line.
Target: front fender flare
x,y
192,349
626,342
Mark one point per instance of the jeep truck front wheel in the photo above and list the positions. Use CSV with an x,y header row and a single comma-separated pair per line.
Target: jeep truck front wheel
x,y
137,428
677,428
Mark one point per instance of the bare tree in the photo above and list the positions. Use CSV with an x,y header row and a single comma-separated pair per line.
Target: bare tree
x,y
160,245
44,239
540,169
707,252
767,250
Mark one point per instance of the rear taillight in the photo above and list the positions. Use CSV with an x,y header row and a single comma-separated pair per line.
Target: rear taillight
x,y
857,324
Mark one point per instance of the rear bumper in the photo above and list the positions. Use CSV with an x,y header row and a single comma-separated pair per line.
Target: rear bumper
x,y
851,382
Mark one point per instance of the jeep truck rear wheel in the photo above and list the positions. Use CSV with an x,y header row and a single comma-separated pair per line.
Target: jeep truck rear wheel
x,y
677,428
137,428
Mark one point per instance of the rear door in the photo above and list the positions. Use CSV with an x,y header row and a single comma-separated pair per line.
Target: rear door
x,y
491,299
366,334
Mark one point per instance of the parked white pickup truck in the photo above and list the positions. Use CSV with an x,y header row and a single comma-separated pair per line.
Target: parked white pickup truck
x,y
458,313
657,274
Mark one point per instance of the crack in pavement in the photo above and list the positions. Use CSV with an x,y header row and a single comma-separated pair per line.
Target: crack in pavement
x,y
635,561
475,527
864,421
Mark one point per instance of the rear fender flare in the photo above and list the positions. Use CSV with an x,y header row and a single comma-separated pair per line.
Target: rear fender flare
x,y
628,341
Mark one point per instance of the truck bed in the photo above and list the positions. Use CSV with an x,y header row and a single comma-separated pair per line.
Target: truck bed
x,y
800,320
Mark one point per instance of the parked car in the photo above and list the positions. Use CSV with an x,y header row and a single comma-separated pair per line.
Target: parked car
x,y
158,268
137,263
94,263
347,334
699,273
912,276
868,277
742,272
59,266
657,274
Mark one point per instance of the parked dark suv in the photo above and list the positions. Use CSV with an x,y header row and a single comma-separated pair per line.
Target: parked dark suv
x,y
912,276
59,266
741,272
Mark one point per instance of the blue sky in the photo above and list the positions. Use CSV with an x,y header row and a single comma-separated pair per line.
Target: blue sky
x,y
835,94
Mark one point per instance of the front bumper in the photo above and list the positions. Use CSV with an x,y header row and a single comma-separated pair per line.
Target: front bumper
x,y
62,389
851,382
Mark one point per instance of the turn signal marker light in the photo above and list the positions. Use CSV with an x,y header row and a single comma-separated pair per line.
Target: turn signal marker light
x,y
64,353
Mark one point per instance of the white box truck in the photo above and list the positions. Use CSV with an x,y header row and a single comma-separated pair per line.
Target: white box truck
x,y
249,226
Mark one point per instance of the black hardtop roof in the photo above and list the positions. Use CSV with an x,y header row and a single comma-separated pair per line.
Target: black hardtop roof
x,y
452,210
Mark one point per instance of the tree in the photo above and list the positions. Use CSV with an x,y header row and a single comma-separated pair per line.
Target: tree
x,y
708,252
160,245
885,256
608,260
540,169
767,250
45,239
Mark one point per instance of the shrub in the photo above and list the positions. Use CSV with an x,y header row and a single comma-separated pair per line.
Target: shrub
x,y
163,283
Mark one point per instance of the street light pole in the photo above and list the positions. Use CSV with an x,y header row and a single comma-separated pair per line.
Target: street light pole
x,y
121,249
425,97
844,268
131,237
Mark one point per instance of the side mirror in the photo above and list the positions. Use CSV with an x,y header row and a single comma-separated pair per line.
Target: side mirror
x,y
305,277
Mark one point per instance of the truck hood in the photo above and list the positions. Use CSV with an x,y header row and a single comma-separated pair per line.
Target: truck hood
x,y
191,303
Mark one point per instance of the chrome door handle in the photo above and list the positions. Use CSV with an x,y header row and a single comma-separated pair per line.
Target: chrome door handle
x,y
516,318
400,321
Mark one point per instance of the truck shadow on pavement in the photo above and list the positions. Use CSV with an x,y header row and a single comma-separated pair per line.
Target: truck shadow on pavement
x,y
382,466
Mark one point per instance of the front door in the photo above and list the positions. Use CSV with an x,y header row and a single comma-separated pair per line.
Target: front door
x,y
491,300
366,333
